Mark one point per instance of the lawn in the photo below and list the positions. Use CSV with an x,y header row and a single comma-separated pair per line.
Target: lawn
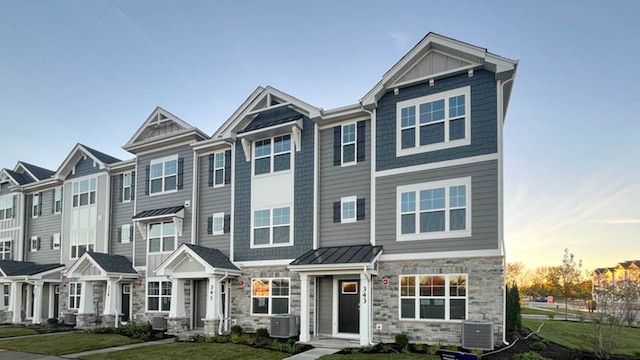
x,y
69,343
12,331
192,351
400,356
573,335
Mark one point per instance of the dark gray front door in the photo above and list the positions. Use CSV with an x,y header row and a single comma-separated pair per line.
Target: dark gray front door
x,y
126,302
200,309
349,306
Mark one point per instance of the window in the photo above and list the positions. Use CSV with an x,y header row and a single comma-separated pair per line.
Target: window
x,y
6,294
75,289
348,209
433,297
84,193
348,143
158,295
270,296
434,122
126,187
162,237
218,224
5,249
82,241
124,233
164,175
57,200
6,207
36,205
35,243
434,210
55,241
272,226
218,169
272,155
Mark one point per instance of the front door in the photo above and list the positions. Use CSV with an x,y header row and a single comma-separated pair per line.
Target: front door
x,y
200,308
349,306
126,302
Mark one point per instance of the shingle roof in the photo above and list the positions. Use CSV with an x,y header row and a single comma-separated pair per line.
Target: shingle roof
x,y
107,159
339,255
158,212
37,171
213,256
21,179
113,263
17,268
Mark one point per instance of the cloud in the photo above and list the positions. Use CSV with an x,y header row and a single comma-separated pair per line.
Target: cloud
x,y
399,39
621,221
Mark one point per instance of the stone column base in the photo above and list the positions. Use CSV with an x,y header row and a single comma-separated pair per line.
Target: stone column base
x,y
177,325
109,320
211,327
7,316
87,321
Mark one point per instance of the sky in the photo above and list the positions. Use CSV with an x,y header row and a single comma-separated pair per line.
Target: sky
x,y
93,71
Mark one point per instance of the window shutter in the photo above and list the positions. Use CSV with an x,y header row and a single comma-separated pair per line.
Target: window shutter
x,y
133,185
120,234
39,208
227,167
51,241
227,224
38,243
211,157
360,209
209,225
361,139
120,187
337,145
130,233
53,201
336,212
13,211
147,170
180,172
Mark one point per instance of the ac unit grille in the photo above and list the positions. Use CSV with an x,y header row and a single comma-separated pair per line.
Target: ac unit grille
x,y
284,326
477,335
159,323
70,319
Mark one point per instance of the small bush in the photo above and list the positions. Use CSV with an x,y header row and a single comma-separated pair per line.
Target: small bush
x,y
433,349
530,355
420,348
477,352
53,322
551,316
221,339
237,338
237,329
402,340
262,333
451,347
538,346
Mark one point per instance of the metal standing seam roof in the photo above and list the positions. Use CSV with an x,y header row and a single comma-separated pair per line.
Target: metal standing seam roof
x,y
113,263
18,268
339,255
213,257
158,212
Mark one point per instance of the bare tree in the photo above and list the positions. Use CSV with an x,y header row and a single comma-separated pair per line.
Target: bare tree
x,y
628,292
514,273
604,326
569,276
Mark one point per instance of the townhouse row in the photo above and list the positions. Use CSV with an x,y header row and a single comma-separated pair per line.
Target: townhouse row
x,y
364,221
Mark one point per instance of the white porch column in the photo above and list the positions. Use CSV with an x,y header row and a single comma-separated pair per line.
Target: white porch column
x,y
37,302
111,298
304,308
213,299
177,299
365,310
15,302
86,298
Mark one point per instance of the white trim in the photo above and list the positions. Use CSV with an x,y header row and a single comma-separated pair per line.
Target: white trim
x,y
124,200
233,203
441,74
162,250
263,263
415,104
270,297
441,255
127,231
107,212
54,241
271,156
331,125
154,150
373,179
316,145
343,201
354,143
437,165
164,176
219,215
194,197
159,296
215,168
10,240
446,297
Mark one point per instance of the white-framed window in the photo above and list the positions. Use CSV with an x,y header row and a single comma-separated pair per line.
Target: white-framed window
x,y
433,297
82,241
158,296
75,290
163,176
434,210
35,205
272,154
6,207
162,237
348,209
34,243
434,122
57,200
55,241
84,192
5,249
272,227
270,296
125,233
218,169
349,140
6,294
126,187
218,224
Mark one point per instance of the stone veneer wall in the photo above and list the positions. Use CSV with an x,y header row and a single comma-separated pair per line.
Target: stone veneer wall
x,y
241,297
484,290
139,313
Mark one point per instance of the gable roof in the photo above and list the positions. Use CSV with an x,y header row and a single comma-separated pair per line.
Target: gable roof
x,y
210,260
37,172
81,151
213,257
113,263
10,268
104,158
16,178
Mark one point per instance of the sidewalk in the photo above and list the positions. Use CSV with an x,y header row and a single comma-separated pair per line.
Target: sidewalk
x,y
312,354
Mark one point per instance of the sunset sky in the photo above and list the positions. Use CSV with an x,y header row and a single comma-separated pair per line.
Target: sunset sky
x,y
92,71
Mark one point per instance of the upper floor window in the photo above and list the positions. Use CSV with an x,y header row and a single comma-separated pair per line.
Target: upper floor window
x,y
434,210
57,201
82,240
270,296
220,168
34,244
348,209
272,155
84,192
55,241
433,297
36,205
162,237
434,122
164,175
272,226
5,249
125,233
349,143
6,207
127,186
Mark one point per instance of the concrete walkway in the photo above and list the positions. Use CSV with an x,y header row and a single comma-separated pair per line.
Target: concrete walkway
x,y
117,348
312,354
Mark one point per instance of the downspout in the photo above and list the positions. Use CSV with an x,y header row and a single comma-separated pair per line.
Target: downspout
x,y
220,314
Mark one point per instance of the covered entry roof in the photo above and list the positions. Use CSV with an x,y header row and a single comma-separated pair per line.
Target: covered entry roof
x,y
193,261
338,256
10,268
100,265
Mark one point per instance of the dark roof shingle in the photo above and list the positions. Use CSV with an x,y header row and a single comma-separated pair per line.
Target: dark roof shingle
x,y
113,263
107,159
213,256
39,172
17,268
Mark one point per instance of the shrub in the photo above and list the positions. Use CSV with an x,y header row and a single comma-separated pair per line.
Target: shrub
x,y
514,317
53,322
237,329
420,348
237,338
538,346
262,333
402,340
477,352
433,349
530,355
221,339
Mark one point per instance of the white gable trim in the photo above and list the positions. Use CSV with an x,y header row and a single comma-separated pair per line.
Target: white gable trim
x,y
184,253
135,140
70,161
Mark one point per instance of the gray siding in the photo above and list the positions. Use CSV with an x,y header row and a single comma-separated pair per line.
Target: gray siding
x,y
303,202
4,188
149,202
84,167
483,121
484,209
10,228
325,305
121,214
44,226
211,200
340,181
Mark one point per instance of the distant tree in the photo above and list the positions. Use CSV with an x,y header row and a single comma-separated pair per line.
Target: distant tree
x,y
569,276
628,292
514,272
514,316
604,326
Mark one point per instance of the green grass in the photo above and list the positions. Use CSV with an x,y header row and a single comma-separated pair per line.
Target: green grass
x,y
192,351
557,313
11,331
532,311
59,344
399,356
573,335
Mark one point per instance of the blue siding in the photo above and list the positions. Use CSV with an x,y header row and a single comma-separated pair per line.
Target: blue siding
x,y
303,199
84,167
484,137
4,189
